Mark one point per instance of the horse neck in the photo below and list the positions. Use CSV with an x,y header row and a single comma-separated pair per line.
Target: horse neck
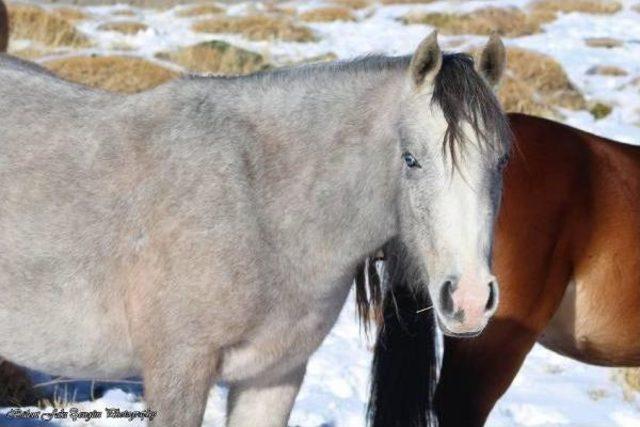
x,y
327,163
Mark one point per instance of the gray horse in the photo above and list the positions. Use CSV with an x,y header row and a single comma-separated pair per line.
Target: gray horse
x,y
210,229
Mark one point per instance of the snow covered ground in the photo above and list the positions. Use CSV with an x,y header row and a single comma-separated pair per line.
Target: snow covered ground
x,y
550,390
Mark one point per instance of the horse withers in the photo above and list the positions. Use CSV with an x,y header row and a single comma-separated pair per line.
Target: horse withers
x,y
210,229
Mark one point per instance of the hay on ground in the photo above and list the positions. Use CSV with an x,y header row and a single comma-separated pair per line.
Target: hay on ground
x,y
510,22
123,12
600,110
217,57
546,76
406,1
629,379
584,6
112,73
352,4
536,84
607,70
607,42
70,14
124,27
257,27
47,28
328,14
199,10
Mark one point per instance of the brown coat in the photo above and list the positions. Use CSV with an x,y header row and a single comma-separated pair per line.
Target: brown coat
x,y
4,27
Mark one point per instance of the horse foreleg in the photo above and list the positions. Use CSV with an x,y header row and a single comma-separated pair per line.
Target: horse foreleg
x,y
264,403
177,380
476,372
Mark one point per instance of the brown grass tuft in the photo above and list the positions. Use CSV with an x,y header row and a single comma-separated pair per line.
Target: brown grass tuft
x,y
406,1
328,14
257,27
217,57
123,12
636,7
607,70
70,14
124,27
352,4
36,24
536,84
629,379
607,42
201,9
600,110
31,53
113,73
510,22
584,6
548,80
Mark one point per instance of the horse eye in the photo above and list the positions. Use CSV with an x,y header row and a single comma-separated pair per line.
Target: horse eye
x,y
410,160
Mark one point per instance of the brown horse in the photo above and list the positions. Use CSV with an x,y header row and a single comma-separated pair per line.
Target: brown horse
x,y
4,27
567,256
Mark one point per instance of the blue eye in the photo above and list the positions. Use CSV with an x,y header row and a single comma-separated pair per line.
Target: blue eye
x,y
410,160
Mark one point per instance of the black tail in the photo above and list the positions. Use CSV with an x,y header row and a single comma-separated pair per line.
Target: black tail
x,y
404,364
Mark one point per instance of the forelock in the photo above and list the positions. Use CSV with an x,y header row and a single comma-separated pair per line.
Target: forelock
x,y
464,96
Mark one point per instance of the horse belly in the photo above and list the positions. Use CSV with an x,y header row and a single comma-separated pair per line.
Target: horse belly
x,y
79,336
594,327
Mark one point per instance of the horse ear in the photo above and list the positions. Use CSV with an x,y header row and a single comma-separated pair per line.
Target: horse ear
x,y
427,60
493,60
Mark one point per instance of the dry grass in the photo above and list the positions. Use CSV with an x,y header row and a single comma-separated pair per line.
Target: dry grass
x,y
217,57
70,14
257,27
584,6
201,9
113,73
406,1
510,22
47,28
629,379
352,4
328,14
636,7
607,70
600,110
607,42
123,12
31,53
325,57
124,27
535,84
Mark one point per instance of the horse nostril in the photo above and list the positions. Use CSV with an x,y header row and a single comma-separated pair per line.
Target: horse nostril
x,y
493,300
446,297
